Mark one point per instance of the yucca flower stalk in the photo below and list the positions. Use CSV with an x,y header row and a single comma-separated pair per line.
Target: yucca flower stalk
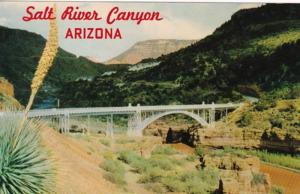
x,y
45,62
43,67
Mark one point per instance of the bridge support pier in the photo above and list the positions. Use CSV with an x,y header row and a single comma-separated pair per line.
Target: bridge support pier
x,y
64,123
138,121
212,116
110,126
130,127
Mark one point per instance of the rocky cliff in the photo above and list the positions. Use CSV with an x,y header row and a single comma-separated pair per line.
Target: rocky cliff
x,y
6,87
7,99
149,49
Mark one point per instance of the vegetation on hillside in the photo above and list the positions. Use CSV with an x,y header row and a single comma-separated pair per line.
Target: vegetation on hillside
x,y
163,172
20,52
250,55
285,160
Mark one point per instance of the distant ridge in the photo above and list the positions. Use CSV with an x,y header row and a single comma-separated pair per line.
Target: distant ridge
x,y
149,49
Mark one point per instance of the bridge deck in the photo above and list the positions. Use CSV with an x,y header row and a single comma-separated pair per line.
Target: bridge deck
x,y
124,110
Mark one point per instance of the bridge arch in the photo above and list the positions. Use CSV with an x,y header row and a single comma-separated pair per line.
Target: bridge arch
x,y
153,118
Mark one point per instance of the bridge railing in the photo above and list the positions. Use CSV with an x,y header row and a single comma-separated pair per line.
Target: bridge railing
x,y
123,110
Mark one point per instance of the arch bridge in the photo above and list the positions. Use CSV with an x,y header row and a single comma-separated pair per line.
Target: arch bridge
x,y
139,117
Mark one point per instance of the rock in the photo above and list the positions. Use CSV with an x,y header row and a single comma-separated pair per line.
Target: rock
x,y
253,162
240,164
7,100
228,186
226,163
237,174
244,178
6,87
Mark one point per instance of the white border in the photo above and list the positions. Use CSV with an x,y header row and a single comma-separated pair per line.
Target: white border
x,y
164,1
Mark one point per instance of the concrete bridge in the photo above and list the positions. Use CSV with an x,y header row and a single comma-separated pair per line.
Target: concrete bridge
x,y
139,117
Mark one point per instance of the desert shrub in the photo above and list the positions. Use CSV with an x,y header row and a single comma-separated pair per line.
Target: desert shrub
x,y
191,158
218,153
277,190
245,120
281,159
161,162
25,166
237,152
115,178
192,182
116,171
155,187
105,142
258,178
264,104
129,157
164,150
208,176
124,141
277,120
199,151
151,175
173,184
109,155
134,160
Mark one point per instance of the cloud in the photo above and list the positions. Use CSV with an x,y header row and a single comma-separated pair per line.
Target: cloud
x,y
3,21
249,5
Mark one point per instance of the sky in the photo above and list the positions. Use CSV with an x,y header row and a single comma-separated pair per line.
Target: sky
x,y
180,21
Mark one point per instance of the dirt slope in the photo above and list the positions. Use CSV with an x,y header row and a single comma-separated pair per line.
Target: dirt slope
x,y
281,177
77,171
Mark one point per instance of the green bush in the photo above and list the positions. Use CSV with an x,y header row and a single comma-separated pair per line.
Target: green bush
x,y
277,158
25,167
129,157
164,150
258,178
115,178
105,142
191,158
191,182
134,160
151,175
245,120
162,162
199,151
173,184
264,104
116,171
155,187
124,141
277,190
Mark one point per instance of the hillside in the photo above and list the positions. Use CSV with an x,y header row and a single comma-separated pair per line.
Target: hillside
x,y
149,49
20,52
254,53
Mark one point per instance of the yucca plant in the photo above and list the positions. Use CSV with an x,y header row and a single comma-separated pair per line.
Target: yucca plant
x,y
25,166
